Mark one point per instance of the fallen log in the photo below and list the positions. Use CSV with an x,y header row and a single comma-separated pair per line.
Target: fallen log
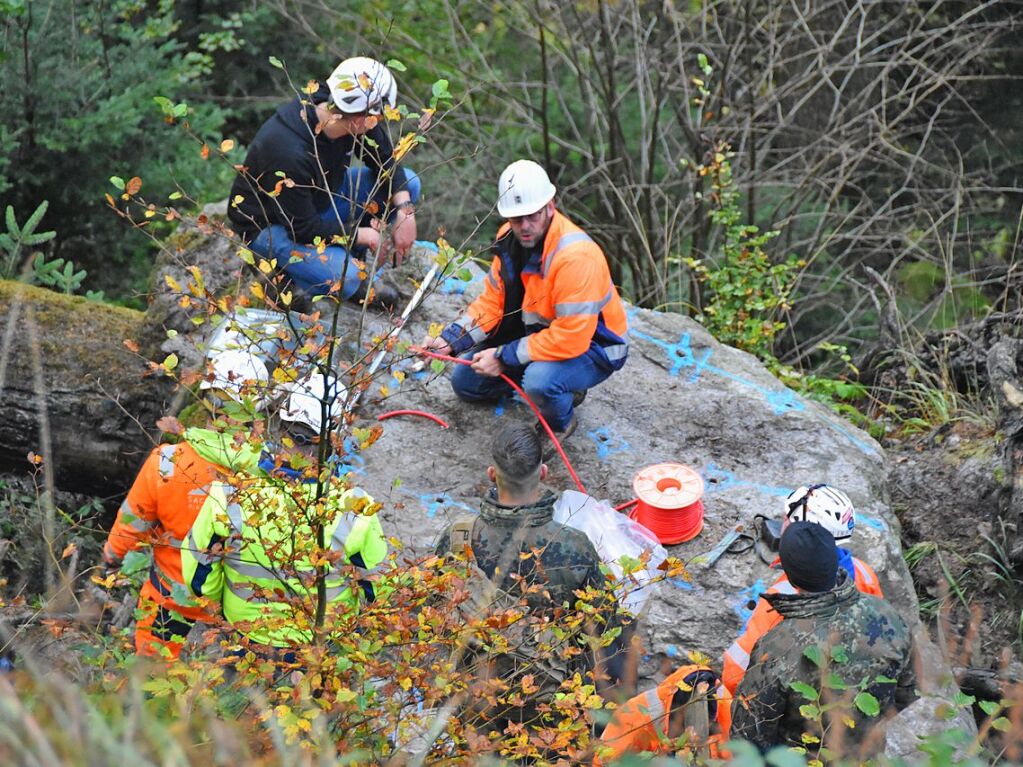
x,y
72,392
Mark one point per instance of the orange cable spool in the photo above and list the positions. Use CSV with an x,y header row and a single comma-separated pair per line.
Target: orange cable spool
x,y
669,502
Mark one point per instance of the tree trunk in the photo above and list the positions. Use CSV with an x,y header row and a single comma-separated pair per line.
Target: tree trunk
x,y
71,392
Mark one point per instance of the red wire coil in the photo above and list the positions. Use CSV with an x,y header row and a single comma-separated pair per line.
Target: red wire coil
x,y
671,526
668,502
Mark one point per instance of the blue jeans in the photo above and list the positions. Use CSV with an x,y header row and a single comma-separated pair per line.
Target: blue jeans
x,y
317,271
548,384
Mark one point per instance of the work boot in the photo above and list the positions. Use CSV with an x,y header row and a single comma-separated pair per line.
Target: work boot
x,y
549,451
578,397
385,295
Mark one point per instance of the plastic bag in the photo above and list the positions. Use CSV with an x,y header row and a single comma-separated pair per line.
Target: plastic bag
x,y
615,536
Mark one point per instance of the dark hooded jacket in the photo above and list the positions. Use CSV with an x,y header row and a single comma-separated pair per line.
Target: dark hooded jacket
x,y
286,148
565,562
842,644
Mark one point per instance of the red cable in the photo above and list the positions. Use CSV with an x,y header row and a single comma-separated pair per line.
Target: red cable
x,y
671,526
518,389
627,504
420,413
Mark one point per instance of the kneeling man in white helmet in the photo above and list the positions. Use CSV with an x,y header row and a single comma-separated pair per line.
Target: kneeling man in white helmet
x,y
549,315
830,508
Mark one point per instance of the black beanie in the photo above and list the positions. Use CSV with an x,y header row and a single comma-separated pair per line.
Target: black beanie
x,y
809,556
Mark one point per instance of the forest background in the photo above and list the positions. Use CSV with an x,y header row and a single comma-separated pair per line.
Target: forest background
x,y
874,145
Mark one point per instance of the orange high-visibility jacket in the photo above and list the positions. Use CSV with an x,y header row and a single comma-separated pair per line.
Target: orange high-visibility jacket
x,y
166,497
641,723
569,308
765,618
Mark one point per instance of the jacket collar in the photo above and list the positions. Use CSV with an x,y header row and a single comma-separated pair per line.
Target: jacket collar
x,y
816,604
529,515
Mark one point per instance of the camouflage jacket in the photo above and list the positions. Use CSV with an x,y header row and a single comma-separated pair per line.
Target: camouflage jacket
x,y
840,643
504,539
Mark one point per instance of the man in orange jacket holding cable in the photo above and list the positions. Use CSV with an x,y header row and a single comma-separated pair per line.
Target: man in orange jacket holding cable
x,y
654,720
549,315
830,508
166,497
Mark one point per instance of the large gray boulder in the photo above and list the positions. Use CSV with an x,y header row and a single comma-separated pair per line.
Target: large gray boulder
x,y
682,397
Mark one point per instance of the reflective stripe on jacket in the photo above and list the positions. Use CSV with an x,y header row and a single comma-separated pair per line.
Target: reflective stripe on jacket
x,y
764,618
641,723
166,497
240,553
570,306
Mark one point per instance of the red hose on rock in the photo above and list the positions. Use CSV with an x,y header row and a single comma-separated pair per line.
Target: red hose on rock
x,y
518,390
420,413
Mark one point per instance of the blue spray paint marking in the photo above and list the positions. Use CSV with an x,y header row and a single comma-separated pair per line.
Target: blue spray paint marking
x,y
506,401
681,583
717,480
671,651
435,502
873,522
681,356
866,447
747,596
353,462
608,442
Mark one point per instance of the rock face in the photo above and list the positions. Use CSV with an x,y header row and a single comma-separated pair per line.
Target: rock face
x,y
682,398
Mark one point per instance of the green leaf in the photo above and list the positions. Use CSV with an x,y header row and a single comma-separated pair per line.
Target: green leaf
x,y
867,703
814,655
882,679
1002,724
118,182
396,65
440,89
437,366
835,682
175,195
180,110
135,562
171,362
809,711
989,707
785,757
962,699
839,654
805,690
275,62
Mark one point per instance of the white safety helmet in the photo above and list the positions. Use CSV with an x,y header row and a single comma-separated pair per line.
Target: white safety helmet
x,y
828,507
362,85
523,189
238,374
303,401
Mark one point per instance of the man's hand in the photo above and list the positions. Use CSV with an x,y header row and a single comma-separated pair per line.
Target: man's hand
x,y
487,363
368,237
372,237
437,344
403,232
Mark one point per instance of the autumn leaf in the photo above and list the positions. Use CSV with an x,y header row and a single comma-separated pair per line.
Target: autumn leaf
x,y
70,549
35,459
226,145
134,185
170,425
204,153
131,345
404,145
